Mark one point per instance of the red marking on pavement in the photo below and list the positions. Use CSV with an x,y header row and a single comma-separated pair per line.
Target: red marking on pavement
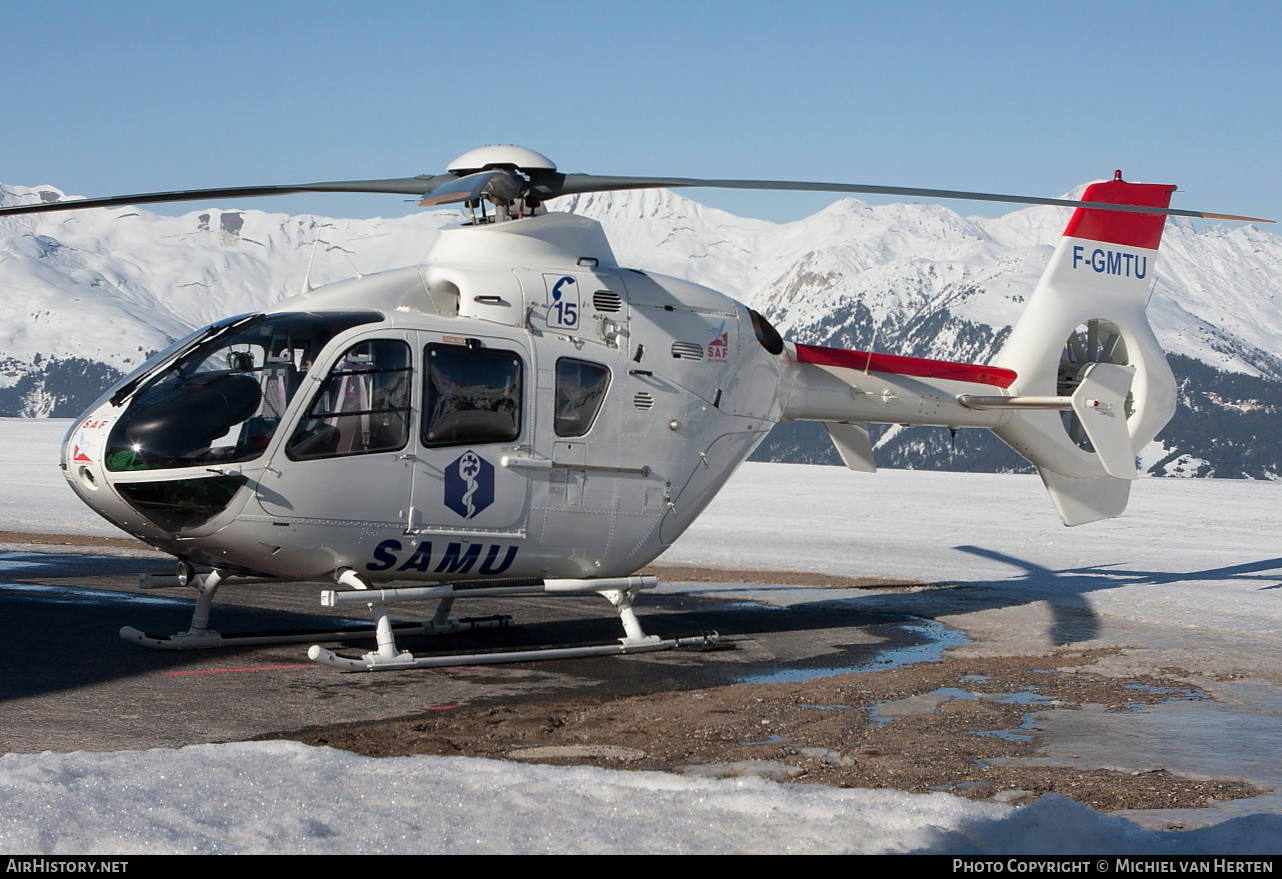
x,y
216,671
438,708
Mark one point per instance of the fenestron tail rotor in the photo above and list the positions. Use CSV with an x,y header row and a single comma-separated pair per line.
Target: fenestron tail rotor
x,y
1097,341
506,175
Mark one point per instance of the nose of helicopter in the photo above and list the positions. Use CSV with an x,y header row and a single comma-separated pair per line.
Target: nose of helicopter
x,y
83,467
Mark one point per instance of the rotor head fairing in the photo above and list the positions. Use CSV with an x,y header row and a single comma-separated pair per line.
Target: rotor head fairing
x,y
500,156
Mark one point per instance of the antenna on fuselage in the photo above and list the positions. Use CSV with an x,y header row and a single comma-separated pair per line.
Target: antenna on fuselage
x,y
307,277
347,253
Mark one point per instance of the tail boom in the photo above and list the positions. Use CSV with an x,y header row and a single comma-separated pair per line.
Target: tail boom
x,y
836,385
1083,345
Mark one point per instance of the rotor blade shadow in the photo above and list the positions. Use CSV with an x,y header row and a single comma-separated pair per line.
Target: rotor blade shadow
x,y
1066,591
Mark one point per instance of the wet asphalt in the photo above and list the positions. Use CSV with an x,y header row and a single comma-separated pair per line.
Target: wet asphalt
x,y
71,684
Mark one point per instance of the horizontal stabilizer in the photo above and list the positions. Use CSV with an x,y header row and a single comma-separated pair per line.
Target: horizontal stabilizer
x,y
853,445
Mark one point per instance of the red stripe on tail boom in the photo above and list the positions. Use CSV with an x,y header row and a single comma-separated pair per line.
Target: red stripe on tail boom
x,y
914,366
1116,227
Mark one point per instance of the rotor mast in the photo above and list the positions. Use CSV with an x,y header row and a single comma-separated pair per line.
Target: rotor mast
x,y
494,174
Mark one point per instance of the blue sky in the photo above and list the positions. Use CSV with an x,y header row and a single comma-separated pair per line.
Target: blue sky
x,y
1023,97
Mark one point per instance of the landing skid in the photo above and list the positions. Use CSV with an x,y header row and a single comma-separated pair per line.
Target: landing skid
x,y
619,591
376,662
209,638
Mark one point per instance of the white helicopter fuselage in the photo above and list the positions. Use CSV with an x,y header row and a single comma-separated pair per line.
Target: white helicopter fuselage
x,y
521,415
606,409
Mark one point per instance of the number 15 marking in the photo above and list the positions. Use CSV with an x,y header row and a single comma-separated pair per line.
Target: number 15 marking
x,y
563,310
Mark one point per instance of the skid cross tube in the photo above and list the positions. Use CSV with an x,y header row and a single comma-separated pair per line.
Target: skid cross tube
x,y
621,592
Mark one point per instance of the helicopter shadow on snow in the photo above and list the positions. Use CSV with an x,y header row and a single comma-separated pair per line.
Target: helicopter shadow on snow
x,y
1067,591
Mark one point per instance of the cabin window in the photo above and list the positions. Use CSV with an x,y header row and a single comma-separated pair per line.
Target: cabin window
x,y
580,390
471,395
363,406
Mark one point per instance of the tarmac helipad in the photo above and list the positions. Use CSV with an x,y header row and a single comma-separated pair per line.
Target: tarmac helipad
x,y
72,684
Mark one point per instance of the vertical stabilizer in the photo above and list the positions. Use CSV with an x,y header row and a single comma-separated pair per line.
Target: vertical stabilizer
x,y
1089,308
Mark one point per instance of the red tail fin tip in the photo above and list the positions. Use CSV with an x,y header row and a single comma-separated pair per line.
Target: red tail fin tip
x,y
1118,227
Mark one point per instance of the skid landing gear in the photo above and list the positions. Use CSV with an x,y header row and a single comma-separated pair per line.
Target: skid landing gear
x,y
200,636
619,591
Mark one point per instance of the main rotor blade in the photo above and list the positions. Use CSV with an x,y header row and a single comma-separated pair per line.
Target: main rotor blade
x,y
418,186
571,184
547,185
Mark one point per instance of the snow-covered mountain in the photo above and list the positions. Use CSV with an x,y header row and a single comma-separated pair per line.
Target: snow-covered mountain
x,y
87,295
923,280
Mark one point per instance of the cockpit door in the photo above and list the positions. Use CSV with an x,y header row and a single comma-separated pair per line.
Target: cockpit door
x,y
347,460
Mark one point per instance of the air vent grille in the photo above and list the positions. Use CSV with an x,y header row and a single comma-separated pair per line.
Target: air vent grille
x,y
607,300
687,351
643,400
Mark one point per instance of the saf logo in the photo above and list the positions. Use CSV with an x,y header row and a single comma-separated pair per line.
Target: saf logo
x,y
81,448
563,301
86,443
469,484
719,347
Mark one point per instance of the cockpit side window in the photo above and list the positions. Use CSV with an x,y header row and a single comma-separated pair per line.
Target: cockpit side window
x,y
471,395
580,390
363,406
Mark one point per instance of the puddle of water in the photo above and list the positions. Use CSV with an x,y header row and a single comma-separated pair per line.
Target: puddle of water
x,y
1006,734
30,562
1203,738
1022,697
13,561
937,638
1181,694
772,740
81,595
754,605
954,694
1175,694
825,707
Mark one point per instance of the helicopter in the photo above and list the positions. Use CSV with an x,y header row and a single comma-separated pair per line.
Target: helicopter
x,y
520,414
